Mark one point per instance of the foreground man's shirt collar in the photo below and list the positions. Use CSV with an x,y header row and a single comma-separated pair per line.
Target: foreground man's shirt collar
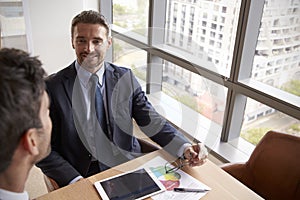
x,y
8,195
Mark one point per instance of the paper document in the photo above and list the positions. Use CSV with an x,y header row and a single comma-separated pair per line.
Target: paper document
x,y
174,180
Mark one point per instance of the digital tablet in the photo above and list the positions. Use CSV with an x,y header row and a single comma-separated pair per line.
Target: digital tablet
x,y
137,184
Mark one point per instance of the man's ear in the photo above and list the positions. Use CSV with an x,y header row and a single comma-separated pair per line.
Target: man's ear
x,y
29,141
109,41
72,43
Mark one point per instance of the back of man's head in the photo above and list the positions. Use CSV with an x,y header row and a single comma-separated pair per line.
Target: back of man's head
x,y
21,90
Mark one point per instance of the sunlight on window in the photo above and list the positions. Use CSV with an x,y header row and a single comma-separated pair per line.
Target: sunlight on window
x,y
12,25
277,55
259,119
204,29
129,56
131,15
200,94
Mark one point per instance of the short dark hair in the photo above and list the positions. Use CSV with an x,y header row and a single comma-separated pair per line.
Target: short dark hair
x,y
21,88
90,17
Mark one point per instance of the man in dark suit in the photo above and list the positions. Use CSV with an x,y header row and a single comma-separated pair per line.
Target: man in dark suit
x,y
88,138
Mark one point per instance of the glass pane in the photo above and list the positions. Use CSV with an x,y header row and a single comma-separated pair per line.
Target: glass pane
x,y
205,30
204,102
131,15
12,25
200,94
277,56
132,57
260,118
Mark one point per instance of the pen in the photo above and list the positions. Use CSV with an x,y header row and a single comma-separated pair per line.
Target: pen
x,y
189,190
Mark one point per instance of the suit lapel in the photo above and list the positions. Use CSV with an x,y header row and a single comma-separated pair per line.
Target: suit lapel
x,y
68,83
111,80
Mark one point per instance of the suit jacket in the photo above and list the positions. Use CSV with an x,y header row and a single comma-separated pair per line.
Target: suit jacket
x,y
70,157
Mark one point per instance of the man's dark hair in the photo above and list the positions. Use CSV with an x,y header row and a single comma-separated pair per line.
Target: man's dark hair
x,y
90,17
21,88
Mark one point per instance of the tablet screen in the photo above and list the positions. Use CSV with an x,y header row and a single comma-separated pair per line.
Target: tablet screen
x,y
137,184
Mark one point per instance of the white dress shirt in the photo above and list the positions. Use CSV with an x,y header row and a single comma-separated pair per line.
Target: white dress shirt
x,y
8,195
84,77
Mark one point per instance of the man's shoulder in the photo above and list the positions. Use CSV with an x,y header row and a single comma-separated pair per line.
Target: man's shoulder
x,y
68,71
116,68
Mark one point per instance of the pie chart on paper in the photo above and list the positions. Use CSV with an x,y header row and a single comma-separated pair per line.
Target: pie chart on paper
x,y
169,180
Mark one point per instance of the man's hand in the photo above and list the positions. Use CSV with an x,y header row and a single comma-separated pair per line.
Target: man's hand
x,y
196,154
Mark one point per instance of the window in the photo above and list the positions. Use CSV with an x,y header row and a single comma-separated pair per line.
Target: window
x,y
260,118
224,9
214,26
205,21
204,98
132,15
12,25
223,19
215,18
251,73
277,71
130,57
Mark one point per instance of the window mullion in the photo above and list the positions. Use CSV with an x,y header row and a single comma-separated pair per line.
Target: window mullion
x,y
235,114
250,38
108,13
247,33
157,19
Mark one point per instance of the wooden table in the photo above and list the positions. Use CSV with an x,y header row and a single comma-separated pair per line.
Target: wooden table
x,y
223,186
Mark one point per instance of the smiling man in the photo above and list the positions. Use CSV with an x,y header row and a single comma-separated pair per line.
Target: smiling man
x,y
25,125
93,104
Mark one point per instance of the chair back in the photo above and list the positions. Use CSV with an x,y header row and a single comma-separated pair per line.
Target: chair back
x,y
147,147
273,169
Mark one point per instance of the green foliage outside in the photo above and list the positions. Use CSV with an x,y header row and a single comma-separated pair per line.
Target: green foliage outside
x,y
292,87
189,101
142,4
117,50
138,73
140,27
124,25
253,135
118,9
186,99
294,129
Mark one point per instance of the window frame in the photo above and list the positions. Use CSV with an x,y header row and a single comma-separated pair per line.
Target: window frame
x,y
239,85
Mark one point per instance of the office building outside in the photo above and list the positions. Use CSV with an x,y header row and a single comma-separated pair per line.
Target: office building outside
x,y
207,29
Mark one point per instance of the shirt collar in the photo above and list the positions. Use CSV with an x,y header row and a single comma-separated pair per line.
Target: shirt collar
x,y
100,74
5,194
84,75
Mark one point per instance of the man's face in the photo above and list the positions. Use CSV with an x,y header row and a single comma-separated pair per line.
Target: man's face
x,y
45,132
90,43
